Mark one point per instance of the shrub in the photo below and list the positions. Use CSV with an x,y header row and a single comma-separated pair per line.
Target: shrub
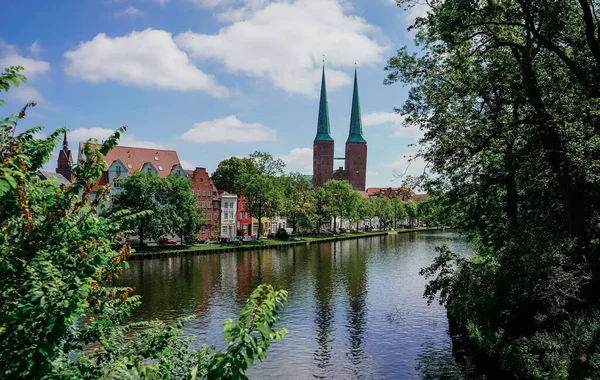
x,y
281,234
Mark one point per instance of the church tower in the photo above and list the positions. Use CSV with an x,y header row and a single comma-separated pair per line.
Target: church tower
x,y
65,160
356,145
323,144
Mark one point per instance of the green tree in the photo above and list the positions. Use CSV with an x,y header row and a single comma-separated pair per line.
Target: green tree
x,y
339,199
141,192
398,209
297,200
57,263
507,95
412,211
180,208
262,187
365,210
384,211
321,208
229,172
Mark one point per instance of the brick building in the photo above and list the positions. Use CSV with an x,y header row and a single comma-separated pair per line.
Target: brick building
x,y
244,219
355,167
65,160
209,200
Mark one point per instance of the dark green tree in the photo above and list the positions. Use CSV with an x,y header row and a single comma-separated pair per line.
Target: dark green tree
x,y
508,94
298,200
179,207
229,172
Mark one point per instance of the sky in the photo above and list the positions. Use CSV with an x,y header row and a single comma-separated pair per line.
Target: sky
x,y
213,79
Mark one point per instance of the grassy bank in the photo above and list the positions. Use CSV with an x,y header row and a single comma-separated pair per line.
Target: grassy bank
x,y
259,244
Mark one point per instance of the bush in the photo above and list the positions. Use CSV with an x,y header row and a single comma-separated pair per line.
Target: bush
x,y
281,234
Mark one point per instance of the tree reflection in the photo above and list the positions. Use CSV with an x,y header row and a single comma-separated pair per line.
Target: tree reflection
x,y
323,270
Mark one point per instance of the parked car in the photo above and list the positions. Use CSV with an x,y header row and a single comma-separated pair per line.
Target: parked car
x,y
165,241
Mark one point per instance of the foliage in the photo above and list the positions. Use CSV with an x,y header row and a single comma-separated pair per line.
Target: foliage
x,y
60,317
508,94
281,234
297,201
262,187
180,207
340,199
229,172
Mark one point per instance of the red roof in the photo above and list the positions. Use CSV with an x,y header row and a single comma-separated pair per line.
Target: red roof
x,y
135,158
393,192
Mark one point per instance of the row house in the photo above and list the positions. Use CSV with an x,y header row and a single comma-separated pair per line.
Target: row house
x,y
229,215
209,200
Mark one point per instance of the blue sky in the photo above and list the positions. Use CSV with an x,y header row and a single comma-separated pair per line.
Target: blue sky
x,y
213,78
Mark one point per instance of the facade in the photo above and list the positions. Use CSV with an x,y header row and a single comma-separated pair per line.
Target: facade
x,y
125,160
244,219
229,215
355,167
208,199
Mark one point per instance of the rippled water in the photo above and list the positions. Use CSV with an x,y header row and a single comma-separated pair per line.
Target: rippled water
x,y
355,308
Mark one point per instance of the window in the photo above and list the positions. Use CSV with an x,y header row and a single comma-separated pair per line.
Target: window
x,y
130,166
160,167
203,204
118,170
208,204
155,158
201,179
216,216
204,193
245,228
199,205
116,184
238,225
225,205
208,216
203,229
245,215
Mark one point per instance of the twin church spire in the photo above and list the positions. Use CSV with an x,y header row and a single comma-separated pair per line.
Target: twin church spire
x,y
323,124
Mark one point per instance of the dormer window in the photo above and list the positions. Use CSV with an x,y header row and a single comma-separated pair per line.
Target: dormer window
x,y
160,168
155,158
130,166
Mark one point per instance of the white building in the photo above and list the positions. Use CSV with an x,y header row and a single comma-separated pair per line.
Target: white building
x,y
228,215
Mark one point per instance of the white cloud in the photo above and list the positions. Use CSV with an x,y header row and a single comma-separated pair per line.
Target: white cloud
x,y
10,56
228,129
131,11
187,165
25,93
301,158
287,40
402,129
127,139
148,58
35,48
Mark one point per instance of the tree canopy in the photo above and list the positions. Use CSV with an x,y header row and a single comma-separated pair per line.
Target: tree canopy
x,y
507,93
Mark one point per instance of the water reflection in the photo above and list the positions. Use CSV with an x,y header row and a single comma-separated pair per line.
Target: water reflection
x,y
341,298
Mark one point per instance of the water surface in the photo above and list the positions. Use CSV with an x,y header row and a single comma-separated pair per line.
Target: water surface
x,y
355,307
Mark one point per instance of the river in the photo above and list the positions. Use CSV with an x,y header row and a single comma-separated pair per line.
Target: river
x,y
355,307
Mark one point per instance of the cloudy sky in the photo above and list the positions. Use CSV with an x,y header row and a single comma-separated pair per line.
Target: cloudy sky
x,y
213,78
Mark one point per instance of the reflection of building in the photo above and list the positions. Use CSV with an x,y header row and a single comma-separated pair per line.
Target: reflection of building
x,y
228,214
208,199
355,168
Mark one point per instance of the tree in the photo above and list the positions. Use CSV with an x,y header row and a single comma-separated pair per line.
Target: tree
x,y
180,207
262,187
412,211
61,317
383,210
229,172
321,209
507,95
339,199
140,192
297,200
399,210
365,210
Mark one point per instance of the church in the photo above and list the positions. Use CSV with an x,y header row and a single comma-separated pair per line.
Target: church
x,y
355,160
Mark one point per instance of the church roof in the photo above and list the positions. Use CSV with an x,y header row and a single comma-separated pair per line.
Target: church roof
x,y
355,135
323,126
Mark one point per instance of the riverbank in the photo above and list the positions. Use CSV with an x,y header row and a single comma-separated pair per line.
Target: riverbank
x,y
174,251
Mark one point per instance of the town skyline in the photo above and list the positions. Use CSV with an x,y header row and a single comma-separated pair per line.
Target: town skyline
x,y
230,102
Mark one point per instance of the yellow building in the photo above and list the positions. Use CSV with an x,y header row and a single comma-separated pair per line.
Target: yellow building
x,y
266,226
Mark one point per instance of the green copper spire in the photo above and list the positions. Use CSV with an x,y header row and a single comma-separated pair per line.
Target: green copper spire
x,y
323,130
355,135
